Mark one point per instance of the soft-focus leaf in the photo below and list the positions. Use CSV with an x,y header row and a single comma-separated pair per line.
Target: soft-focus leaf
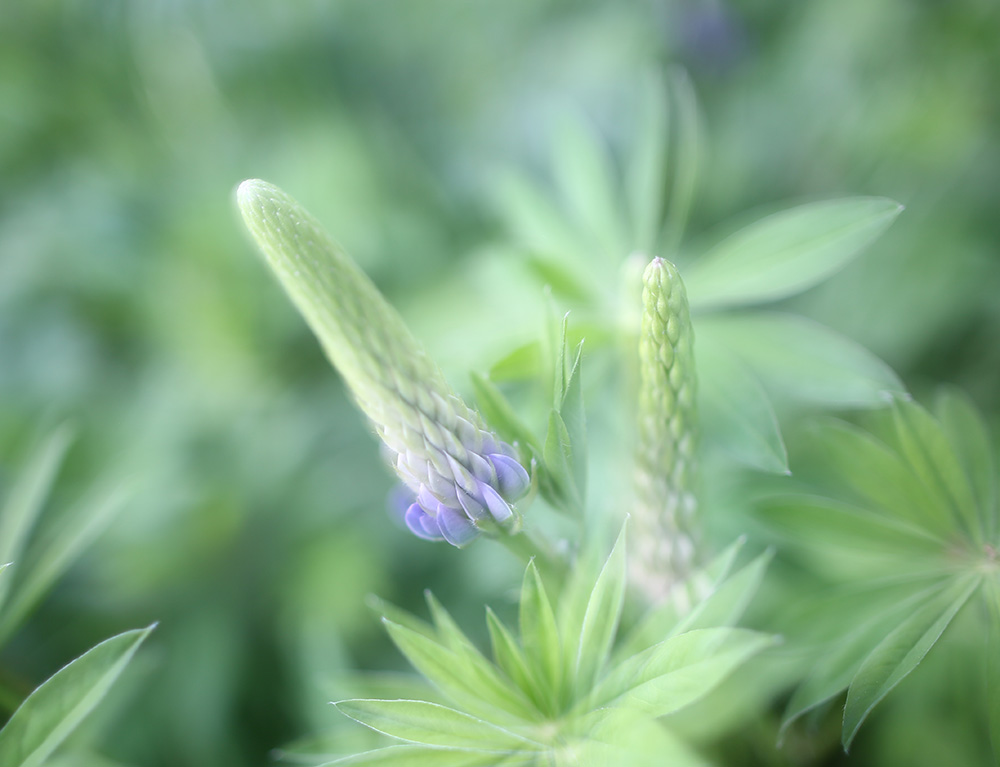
x,y
645,174
970,442
687,159
737,416
677,671
727,603
823,525
448,631
419,756
52,555
854,459
600,622
520,364
474,688
535,221
784,254
398,615
509,657
841,660
991,593
55,709
622,738
929,453
24,503
587,184
662,620
901,652
573,416
560,462
804,359
501,415
539,633
430,724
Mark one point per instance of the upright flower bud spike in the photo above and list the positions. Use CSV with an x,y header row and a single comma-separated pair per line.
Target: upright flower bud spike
x,y
664,516
462,478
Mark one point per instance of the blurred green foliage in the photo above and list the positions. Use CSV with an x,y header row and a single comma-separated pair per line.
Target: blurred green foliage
x,y
131,301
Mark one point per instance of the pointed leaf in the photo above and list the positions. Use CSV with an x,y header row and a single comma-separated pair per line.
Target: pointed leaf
x,y
534,220
508,656
970,442
856,460
991,594
475,688
804,359
430,724
560,463
54,710
589,188
600,622
729,600
737,415
928,451
417,756
828,527
901,652
662,621
645,176
52,555
786,253
24,504
539,634
679,671
501,415
687,159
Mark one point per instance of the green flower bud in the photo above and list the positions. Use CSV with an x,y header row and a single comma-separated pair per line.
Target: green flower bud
x,y
463,478
664,514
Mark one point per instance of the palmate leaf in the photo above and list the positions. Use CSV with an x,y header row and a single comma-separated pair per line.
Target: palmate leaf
x,y
509,657
785,253
432,725
54,710
803,359
900,652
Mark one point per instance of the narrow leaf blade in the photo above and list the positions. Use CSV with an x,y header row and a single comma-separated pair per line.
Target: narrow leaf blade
x,y
600,622
431,724
54,710
899,653
786,253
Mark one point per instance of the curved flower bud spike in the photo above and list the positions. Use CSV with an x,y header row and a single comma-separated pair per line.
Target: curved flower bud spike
x,y
664,515
463,478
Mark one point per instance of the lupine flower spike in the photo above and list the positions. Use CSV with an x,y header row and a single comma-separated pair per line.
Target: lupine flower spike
x,y
463,479
664,515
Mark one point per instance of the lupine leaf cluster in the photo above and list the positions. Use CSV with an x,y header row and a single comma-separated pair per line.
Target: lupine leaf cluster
x,y
571,685
909,540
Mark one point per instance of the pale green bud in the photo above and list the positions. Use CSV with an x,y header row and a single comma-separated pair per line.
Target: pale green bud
x,y
463,477
664,514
